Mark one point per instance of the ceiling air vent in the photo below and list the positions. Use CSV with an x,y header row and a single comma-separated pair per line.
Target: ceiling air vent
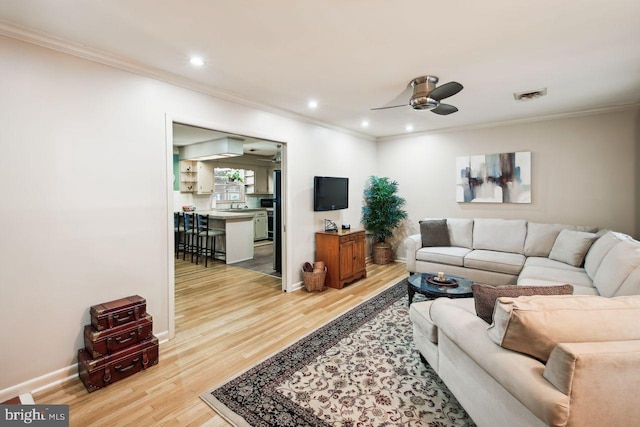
x,y
529,95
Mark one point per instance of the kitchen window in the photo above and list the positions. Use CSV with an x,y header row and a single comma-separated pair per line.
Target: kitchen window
x,y
228,185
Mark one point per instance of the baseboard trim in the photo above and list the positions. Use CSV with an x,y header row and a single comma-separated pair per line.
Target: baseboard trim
x,y
40,383
53,379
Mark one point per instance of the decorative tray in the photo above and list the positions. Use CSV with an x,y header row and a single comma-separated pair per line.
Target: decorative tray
x,y
449,282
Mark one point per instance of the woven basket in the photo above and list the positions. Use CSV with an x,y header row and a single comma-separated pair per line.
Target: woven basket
x,y
314,282
381,253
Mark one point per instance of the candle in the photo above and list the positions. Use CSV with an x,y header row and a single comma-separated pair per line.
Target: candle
x,y
440,275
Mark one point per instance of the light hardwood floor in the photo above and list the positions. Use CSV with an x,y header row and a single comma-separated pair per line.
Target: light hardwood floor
x,y
227,320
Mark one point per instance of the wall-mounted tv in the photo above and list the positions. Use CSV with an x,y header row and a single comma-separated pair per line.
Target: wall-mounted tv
x,y
330,193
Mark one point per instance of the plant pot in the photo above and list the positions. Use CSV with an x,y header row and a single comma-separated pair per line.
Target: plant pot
x,y
381,253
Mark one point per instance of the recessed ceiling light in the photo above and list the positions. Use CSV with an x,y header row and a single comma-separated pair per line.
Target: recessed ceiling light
x,y
313,104
365,123
408,128
196,61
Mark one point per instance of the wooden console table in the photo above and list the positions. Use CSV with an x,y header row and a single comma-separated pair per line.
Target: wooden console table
x,y
343,252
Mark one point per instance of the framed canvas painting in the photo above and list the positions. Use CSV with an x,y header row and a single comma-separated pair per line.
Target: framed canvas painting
x,y
494,178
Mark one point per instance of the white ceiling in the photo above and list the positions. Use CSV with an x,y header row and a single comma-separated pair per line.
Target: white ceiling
x,y
352,55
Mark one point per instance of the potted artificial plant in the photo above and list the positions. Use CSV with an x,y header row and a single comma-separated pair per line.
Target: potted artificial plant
x,y
381,213
234,175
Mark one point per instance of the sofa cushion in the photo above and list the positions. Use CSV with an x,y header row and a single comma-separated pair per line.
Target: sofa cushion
x,y
536,261
588,371
434,232
541,237
500,262
485,296
566,358
460,232
450,255
571,247
556,276
616,267
599,248
577,289
535,325
503,235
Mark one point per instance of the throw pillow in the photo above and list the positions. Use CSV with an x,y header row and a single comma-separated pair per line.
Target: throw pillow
x,y
434,232
485,296
535,325
571,246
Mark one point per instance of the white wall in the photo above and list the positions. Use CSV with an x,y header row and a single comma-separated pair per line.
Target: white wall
x,y
84,207
584,171
84,210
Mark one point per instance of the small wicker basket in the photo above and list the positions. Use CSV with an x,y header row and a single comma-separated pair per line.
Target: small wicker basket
x,y
314,282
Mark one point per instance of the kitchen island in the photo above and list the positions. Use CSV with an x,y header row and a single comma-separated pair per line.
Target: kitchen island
x,y
238,240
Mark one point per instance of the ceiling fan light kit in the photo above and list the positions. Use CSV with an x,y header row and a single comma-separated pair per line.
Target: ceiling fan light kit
x,y
426,96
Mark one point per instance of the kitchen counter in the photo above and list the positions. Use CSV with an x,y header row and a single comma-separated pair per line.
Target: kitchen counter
x,y
224,213
238,226
251,210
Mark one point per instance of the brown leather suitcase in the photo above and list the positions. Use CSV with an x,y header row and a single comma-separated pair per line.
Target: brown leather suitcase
x,y
118,312
102,371
107,341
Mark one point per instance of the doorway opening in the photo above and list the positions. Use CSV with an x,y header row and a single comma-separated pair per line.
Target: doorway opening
x,y
251,182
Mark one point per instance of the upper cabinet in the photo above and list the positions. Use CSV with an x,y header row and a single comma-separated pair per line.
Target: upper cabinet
x,y
258,180
205,178
196,177
262,180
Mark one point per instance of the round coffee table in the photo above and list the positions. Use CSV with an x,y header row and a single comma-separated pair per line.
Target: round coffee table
x,y
421,284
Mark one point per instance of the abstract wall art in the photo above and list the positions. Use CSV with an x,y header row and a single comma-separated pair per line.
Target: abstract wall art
x,y
494,178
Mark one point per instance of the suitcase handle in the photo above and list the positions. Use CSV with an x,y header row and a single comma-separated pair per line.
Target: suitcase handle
x,y
134,362
107,375
119,319
121,340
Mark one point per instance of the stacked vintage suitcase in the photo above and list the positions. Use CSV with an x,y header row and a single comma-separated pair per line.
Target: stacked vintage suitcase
x,y
118,343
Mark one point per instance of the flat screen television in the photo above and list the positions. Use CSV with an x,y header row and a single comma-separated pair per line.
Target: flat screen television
x,y
330,193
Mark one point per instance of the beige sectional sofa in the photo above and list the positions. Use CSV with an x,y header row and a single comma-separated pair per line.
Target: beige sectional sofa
x,y
590,368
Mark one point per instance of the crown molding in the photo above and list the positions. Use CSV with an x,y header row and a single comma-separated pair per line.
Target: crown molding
x,y
513,122
48,41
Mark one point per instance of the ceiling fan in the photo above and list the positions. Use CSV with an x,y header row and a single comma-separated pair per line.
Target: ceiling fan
x,y
424,95
277,158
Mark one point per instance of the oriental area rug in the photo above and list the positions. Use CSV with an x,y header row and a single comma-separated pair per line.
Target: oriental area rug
x,y
361,369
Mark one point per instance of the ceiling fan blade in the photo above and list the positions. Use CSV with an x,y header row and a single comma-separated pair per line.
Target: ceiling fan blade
x,y
402,100
445,91
444,109
392,106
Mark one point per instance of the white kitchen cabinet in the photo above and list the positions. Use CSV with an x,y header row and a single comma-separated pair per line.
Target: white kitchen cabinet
x,y
260,180
260,226
270,185
205,178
